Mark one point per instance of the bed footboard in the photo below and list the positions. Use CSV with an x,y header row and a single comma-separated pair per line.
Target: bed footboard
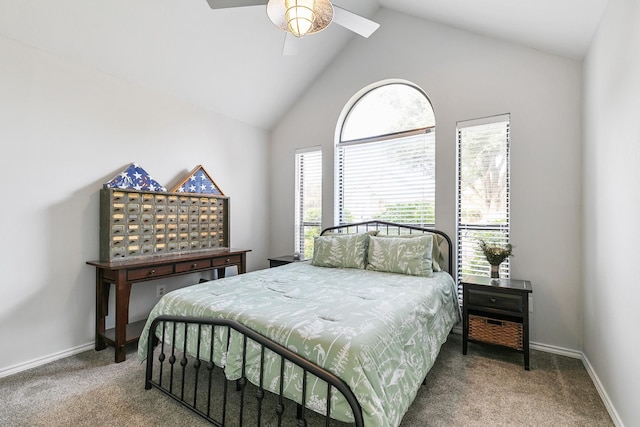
x,y
201,385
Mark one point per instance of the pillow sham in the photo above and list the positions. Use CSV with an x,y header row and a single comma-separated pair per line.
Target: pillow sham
x,y
437,257
401,255
341,250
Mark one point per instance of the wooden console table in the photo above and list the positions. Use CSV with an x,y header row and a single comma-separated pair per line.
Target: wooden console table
x,y
125,273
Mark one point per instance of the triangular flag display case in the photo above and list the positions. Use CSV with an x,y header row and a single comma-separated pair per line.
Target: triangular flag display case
x,y
135,178
143,222
198,181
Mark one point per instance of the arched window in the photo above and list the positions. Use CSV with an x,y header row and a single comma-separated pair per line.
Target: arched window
x,y
385,157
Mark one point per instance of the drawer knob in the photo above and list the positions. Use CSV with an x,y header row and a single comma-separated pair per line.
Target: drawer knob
x,y
228,260
152,272
493,300
194,265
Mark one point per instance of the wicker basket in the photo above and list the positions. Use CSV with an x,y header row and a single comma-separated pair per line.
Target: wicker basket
x,y
495,331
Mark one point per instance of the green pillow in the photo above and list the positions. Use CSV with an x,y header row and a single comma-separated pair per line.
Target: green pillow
x,y
401,255
437,258
341,251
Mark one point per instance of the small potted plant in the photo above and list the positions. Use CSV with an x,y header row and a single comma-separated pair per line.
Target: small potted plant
x,y
495,256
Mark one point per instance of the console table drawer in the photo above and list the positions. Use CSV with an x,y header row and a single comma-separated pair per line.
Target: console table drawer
x,y
496,300
149,272
230,260
193,265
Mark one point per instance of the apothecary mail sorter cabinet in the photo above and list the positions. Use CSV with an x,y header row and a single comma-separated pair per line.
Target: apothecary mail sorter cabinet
x,y
139,223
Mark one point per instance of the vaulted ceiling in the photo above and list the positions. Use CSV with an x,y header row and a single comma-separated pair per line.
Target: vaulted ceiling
x,y
229,60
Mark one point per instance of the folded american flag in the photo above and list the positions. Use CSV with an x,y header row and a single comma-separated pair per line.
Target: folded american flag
x,y
134,178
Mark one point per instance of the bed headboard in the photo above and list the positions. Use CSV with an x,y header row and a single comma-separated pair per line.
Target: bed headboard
x,y
391,228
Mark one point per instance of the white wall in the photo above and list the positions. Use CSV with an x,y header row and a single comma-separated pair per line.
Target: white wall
x,y
466,76
66,130
612,205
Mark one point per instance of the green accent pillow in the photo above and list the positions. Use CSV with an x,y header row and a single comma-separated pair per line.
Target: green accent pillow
x,y
341,251
401,255
437,258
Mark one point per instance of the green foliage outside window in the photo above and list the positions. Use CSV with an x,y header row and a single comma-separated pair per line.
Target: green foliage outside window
x,y
312,228
420,213
310,233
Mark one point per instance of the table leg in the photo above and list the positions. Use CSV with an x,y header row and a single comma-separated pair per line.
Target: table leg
x,y
102,304
123,292
465,331
242,268
525,339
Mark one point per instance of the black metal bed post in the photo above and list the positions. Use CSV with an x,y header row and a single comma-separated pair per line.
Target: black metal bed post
x,y
149,369
196,366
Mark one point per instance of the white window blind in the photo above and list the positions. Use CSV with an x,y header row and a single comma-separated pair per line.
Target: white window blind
x,y
483,191
308,199
391,179
385,159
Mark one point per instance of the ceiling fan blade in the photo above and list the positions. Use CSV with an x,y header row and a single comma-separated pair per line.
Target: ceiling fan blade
x,y
224,4
291,43
356,23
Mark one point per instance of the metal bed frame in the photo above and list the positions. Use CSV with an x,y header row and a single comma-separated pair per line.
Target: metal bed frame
x,y
200,385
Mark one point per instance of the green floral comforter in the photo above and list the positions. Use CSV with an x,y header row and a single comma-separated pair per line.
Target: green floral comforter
x,y
379,332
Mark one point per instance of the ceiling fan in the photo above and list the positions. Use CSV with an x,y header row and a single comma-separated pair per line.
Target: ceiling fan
x,y
302,17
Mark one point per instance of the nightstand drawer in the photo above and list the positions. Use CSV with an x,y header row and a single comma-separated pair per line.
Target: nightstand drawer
x,y
283,260
496,300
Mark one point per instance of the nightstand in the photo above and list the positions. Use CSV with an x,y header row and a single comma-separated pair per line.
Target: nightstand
x,y
496,311
282,260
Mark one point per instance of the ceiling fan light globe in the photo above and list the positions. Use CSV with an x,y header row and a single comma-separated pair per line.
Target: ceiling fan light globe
x,y
300,26
299,16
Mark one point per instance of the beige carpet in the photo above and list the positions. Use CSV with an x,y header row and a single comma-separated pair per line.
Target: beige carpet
x,y
488,387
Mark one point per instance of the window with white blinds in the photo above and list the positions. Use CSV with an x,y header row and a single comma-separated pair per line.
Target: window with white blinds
x,y
387,176
308,199
483,192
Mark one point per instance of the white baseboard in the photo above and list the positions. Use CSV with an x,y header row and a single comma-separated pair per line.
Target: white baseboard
x,y
602,392
574,354
44,360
